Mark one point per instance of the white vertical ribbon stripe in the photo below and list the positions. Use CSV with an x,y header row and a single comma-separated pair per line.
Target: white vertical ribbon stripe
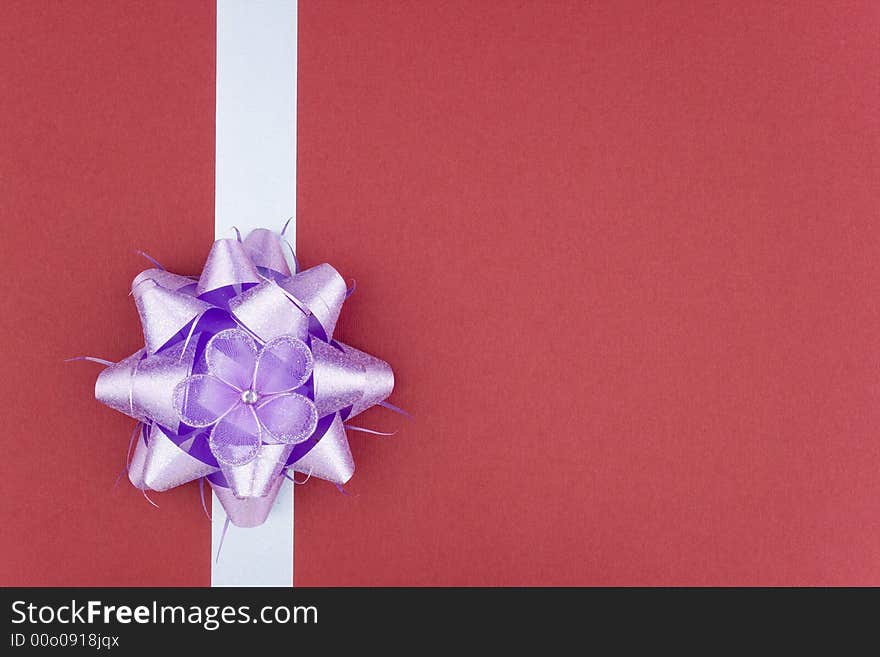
x,y
255,187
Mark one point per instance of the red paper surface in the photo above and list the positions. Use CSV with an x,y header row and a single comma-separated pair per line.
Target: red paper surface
x,y
622,257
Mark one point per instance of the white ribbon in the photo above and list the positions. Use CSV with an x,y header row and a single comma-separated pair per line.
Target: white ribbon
x,y
255,187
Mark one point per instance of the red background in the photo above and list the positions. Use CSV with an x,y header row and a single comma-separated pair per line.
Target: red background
x,y
623,258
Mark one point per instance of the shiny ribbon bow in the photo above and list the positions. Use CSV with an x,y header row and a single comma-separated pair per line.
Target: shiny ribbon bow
x,y
240,378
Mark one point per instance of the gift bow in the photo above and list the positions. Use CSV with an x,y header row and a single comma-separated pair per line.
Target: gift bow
x,y
240,378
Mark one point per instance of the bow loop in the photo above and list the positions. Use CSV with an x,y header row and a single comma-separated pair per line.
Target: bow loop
x,y
322,290
164,313
228,265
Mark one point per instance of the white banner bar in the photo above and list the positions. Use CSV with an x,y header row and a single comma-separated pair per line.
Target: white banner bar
x,y
255,187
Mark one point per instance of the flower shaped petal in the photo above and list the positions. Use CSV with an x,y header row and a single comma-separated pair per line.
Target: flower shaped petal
x,y
289,418
284,363
232,357
235,439
201,399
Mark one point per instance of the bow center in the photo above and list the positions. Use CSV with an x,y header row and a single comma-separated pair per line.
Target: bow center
x,y
250,397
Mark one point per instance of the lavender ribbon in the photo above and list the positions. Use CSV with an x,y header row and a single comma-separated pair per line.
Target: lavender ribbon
x,y
240,378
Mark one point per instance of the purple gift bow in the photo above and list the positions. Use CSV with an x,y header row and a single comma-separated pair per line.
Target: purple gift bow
x,y
245,289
